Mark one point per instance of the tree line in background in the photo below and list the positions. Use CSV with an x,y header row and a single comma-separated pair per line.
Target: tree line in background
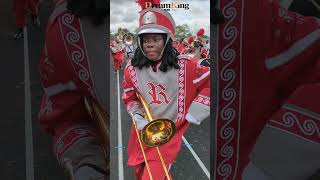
x,y
182,32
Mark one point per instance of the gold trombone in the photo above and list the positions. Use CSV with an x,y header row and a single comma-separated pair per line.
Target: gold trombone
x,y
102,121
155,133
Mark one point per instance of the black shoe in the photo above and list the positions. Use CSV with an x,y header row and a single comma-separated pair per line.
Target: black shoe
x,y
35,21
19,34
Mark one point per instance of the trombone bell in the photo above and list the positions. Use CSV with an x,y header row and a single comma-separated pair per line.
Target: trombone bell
x,y
158,132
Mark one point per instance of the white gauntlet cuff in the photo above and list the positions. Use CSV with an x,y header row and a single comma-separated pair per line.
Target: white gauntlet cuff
x,y
140,121
192,119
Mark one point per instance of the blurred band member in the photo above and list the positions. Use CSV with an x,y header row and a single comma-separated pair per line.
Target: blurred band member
x,y
73,67
118,53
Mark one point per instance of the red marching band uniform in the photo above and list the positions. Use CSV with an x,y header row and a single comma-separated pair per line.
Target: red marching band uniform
x,y
202,51
177,94
118,51
68,74
268,108
186,45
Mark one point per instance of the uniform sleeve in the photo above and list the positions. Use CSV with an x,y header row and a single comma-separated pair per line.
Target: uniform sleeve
x,y
199,109
129,97
291,36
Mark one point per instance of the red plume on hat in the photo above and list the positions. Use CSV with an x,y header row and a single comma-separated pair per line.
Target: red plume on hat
x,y
190,40
200,32
144,3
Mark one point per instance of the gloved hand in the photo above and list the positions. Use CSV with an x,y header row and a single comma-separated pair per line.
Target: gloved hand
x,y
192,119
140,121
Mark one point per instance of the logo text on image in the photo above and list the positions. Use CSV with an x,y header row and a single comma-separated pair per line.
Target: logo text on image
x,y
168,6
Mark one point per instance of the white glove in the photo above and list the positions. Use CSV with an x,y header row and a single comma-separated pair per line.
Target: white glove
x,y
191,119
140,121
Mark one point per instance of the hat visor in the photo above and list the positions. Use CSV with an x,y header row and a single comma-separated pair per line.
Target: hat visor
x,y
151,30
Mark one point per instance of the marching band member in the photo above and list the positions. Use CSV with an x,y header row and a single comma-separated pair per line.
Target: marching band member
x,y
187,45
118,53
267,125
130,49
207,45
180,46
73,67
21,8
174,86
200,50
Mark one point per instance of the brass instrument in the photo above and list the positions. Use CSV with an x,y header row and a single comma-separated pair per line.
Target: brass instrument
x,y
154,134
129,39
102,120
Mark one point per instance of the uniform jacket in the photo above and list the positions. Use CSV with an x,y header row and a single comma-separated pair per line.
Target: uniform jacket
x,y
173,95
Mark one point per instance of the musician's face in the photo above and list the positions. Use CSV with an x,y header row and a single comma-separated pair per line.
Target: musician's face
x,y
152,46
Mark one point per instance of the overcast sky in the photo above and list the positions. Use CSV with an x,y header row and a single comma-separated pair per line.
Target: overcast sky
x,y
124,13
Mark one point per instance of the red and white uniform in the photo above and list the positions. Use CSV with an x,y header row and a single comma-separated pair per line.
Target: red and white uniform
x,y
179,47
174,95
118,52
185,49
21,8
204,53
267,82
67,77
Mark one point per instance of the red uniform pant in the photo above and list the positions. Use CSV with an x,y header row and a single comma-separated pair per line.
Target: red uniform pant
x,y
21,8
157,171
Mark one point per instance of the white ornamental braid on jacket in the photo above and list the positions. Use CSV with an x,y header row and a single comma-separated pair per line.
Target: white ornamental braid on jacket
x,y
199,109
177,94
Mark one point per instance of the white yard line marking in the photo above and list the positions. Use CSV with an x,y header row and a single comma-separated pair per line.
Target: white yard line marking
x,y
27,110
203,167
120,145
